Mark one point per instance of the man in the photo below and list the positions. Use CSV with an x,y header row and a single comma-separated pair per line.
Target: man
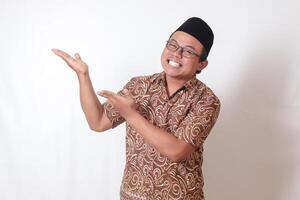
x,y
168,117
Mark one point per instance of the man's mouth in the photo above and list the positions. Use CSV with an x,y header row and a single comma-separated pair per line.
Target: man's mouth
x,y
174,64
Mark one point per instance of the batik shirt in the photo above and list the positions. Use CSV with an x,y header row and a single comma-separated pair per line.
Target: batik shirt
x,y
189,114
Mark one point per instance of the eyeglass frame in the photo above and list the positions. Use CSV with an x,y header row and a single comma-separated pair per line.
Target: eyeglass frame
x,y
182,49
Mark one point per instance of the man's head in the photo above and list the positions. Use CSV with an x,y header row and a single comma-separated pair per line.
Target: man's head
x,y
187,48
199,29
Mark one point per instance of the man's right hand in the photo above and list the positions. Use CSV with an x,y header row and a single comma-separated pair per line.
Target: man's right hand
x,y
75,63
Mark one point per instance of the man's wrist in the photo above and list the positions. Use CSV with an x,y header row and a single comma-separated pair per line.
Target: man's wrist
x,y
132,117
83,74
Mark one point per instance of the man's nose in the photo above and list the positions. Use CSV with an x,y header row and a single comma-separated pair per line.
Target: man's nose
x,y
179,51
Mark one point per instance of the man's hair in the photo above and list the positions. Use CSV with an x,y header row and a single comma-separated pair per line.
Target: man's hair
x,y
203,57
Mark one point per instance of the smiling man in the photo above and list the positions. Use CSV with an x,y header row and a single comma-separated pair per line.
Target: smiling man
x,y
168,117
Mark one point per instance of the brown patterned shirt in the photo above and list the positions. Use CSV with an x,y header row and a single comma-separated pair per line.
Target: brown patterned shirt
x,y
189,114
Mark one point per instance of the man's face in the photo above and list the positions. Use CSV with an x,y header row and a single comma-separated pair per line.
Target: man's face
x,y
177,65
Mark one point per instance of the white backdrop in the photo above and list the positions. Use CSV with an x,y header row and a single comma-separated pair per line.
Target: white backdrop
x,y
46,148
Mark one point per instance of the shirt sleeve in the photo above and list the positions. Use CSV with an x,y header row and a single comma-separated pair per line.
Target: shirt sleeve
x,y
111,113
199,121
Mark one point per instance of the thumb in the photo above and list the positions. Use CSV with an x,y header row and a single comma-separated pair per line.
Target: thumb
x,y
126,92
77,56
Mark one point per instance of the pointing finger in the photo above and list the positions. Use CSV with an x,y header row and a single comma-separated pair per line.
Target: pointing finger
x,y
107,94
111,97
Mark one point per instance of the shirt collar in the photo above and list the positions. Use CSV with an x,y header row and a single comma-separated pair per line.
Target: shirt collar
x,y
189,85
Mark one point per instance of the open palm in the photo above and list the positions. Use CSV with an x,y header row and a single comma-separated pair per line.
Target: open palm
x,y
75,63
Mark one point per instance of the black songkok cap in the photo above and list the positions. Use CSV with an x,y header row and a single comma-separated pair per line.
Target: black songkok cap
x,y
200,30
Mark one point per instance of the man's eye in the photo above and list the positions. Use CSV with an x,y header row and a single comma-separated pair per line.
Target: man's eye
x,y
189,52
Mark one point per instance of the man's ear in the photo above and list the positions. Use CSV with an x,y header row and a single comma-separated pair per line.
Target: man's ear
x,y
202,65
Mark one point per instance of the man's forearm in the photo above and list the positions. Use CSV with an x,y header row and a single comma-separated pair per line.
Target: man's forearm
x,y
166,143
90,104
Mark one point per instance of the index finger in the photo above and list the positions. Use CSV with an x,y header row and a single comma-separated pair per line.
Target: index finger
x,y
108,94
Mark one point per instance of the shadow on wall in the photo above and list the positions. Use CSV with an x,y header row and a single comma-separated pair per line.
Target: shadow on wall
x,y
250,156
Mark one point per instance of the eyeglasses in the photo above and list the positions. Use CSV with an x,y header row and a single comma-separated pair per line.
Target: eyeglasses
x,y
186,52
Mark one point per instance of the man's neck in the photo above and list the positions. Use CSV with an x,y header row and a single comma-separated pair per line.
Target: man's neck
x,y
174,84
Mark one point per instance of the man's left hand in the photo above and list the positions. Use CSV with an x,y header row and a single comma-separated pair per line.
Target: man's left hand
x,y
124,104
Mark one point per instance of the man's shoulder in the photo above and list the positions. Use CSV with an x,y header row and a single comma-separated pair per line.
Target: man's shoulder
x,y
206,92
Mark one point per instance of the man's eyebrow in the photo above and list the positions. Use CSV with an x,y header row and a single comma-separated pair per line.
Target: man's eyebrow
x,y
189,46
173,40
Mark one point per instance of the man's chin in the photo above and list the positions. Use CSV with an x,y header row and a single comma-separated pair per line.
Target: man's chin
x,y
172,74
172,71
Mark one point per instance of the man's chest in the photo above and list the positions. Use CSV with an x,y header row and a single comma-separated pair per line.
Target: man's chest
x,y
164,111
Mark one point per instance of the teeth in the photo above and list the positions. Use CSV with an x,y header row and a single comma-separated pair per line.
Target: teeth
x,y
174,64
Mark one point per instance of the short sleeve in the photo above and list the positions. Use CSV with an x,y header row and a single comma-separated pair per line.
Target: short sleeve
x,y
111,113
199,121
